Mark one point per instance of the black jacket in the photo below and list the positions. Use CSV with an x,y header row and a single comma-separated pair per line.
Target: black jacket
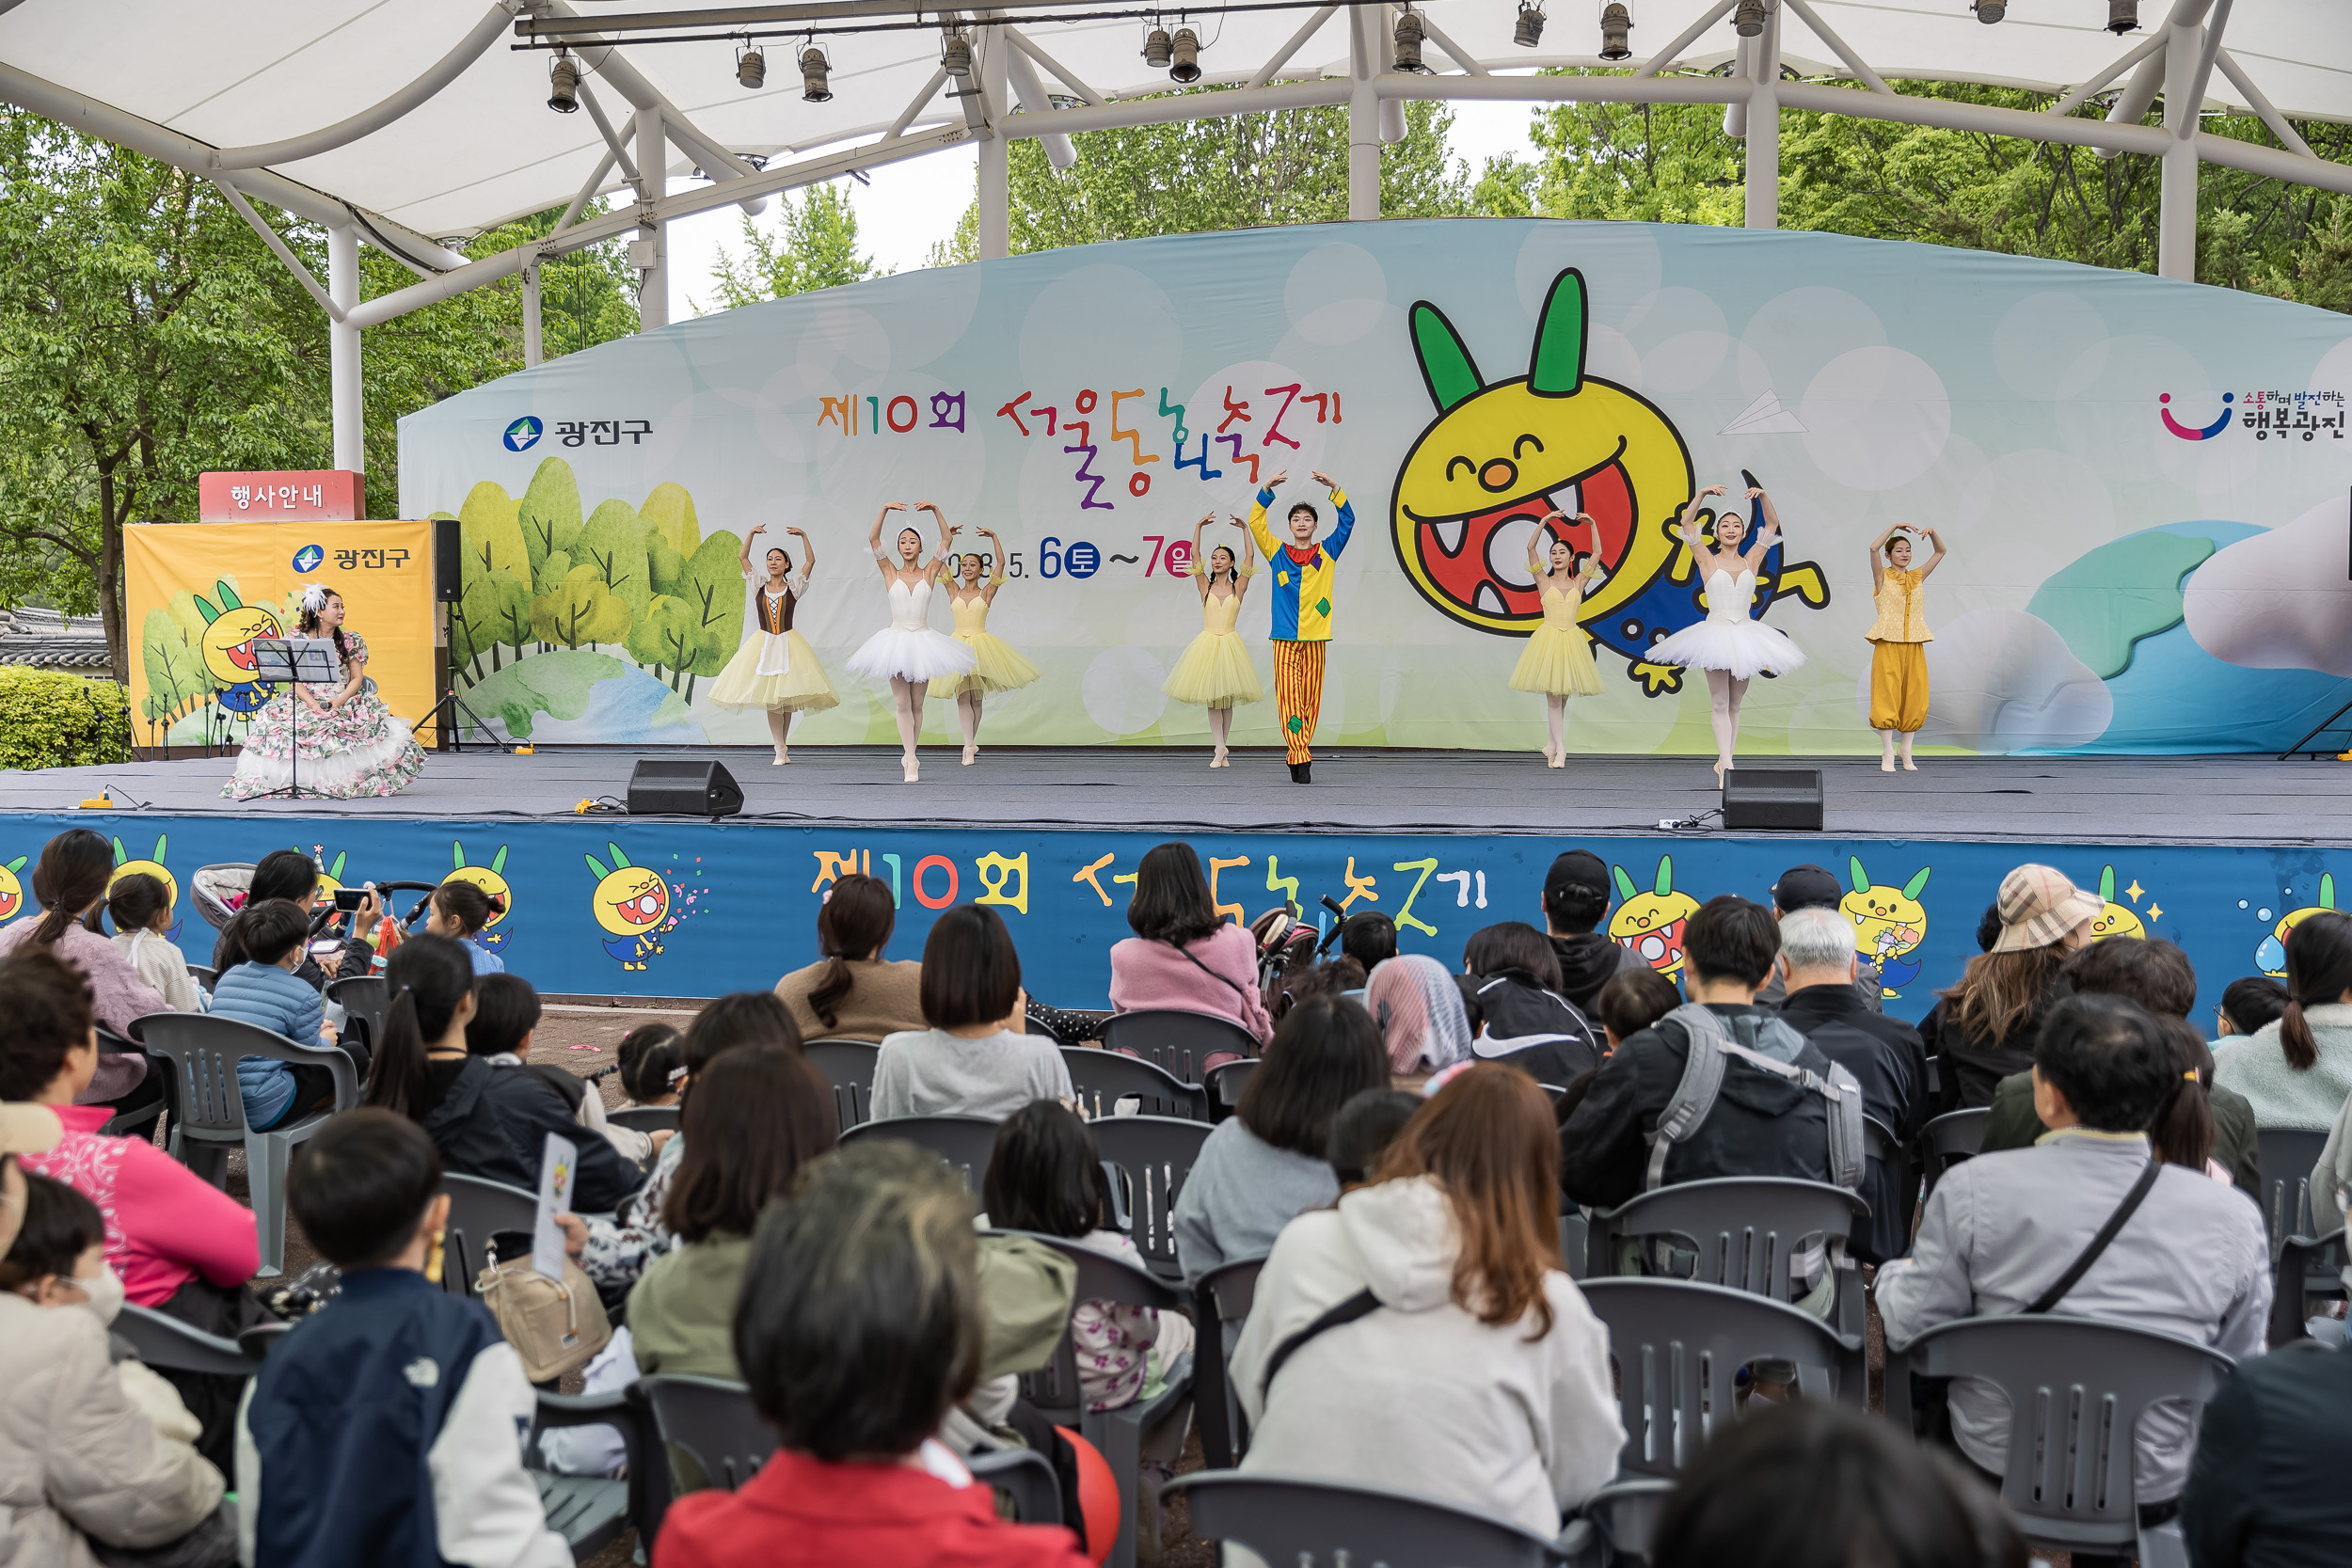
x,y
466,1128
1588,962
1533,1028
1889,1059
1968,1068
2267,1488
1761,1124
531,1109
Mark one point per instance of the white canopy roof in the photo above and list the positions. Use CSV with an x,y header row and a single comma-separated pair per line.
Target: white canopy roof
x,y
485,147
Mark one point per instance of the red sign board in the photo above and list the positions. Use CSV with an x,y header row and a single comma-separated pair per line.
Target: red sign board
x,y
312,496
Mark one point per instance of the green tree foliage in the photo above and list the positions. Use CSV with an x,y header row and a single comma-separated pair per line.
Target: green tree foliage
x,y
580,610
549,511
665,637
814,246
614,542
711,588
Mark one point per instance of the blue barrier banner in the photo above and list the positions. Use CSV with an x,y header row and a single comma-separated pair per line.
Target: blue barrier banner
x,y
655,908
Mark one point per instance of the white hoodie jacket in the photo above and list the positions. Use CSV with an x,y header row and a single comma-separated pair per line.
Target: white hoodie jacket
x,y
1420,1396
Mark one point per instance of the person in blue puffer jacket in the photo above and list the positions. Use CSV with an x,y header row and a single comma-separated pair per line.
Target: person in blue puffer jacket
x,y
264,990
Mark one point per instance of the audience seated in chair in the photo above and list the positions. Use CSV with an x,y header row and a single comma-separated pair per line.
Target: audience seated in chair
x,y
423,1071
760,1113
1631,1002
1268,1162
263,990
291,874
530,1102
976,1058
1364,1130
1525,1022
1425,1024
1816,887
91,1452
1184,956
458,910
852,993
861,1327
2297,1070
142,910
2247,1003
1999,1230
1820,1484
646,1058
1466,1366
388,1427
1576,896
68,881
1983,1028
2265,1488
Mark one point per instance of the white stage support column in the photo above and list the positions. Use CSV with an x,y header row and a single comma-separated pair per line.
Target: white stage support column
x,y
342,350
653,288
1763,141
995,153
2176,210
1364,119
534,347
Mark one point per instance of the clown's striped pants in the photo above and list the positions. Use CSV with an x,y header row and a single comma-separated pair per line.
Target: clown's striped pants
x,y
1299,695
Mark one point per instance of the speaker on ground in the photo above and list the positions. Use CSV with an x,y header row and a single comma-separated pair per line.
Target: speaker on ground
x,y
1786,799
683,786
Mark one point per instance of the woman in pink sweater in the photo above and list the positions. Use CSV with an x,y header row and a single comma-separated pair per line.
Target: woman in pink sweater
x,y
70,883
178,1242
1184,956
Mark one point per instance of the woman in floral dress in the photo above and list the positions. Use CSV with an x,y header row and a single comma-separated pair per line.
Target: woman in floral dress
x,y
351,744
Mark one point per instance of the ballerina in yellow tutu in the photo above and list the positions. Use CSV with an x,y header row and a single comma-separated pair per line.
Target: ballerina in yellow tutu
x,y
775,670
1559,657
1215,671
997,665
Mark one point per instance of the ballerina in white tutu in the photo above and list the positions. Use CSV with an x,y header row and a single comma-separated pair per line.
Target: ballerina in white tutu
x,y
907,653
1730,645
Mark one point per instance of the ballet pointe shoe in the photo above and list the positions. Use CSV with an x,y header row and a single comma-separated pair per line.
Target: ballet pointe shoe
x,y
971,751
1221,759
783,757
913,768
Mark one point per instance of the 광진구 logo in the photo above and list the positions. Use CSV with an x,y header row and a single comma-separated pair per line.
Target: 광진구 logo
x,y
308,559
523,434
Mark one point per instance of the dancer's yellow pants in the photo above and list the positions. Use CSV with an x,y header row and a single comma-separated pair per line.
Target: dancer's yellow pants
x,y
1899,685
1299,695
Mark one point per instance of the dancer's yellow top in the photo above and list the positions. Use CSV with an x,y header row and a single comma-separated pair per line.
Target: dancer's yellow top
x,y
1898,597
1302,578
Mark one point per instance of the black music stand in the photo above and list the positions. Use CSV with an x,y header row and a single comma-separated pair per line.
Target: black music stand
x,y
309,660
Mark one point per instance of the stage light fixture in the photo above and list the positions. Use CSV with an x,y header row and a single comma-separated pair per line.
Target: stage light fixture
x,y
814,68
1530,32
1156,48
1409,32
1615,21
1988,11
564,84
751,68
956,54
1183,55
2123,16
1749,19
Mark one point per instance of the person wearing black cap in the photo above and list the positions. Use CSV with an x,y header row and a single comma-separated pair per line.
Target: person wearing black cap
x,y
1576,896
1814,887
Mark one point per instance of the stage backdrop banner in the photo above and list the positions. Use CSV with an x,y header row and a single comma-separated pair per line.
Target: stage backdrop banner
x,y
2142,482
199,595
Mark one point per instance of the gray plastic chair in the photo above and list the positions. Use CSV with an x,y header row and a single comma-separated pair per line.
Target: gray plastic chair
x,y
1175,1041
2076,1391
963,1142
1678,1347
1225,1082
1054,1389
2286,1158
1028,1478
1617,1525
479,1212
1741,1232
1300,1522
164,1341
590,1511
849,1067
710,1421
1103,1077
646,1118
1220,1306
366,999
1576,1233
1948,1139
203,976
2309,1268
1154,1156
204,1052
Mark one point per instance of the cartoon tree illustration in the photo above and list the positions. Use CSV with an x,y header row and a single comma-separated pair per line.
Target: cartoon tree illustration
x,y
496,609
614,542
713,589
666,634
671,511
490,531
177,681
581,610
549,512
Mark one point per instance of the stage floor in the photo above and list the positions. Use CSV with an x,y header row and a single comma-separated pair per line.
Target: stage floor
x,y
2217,801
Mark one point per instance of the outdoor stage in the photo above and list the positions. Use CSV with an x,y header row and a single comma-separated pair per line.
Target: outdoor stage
x,y
2212,852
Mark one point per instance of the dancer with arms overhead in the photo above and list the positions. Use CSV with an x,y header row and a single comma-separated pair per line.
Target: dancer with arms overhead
x,y
1730,644
907,653
1303,572
775,670
1559,657
1899,643
997,665
1215,671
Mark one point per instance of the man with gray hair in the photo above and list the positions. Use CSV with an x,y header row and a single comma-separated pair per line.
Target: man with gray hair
x,y
1814,887
1816,965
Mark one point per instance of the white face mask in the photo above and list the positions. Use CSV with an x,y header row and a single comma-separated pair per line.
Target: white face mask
x,y
104,1294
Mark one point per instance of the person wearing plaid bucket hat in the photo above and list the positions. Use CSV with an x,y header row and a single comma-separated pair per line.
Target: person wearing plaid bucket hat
x,y
1983,1028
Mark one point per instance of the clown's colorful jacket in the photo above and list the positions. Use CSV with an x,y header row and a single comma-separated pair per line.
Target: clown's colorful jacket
x,y
1302,578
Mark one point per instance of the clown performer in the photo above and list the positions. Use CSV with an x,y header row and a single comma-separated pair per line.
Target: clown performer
x,y
1731,646
1559,657
1303,570
997,665
1899,643
907,653
775,670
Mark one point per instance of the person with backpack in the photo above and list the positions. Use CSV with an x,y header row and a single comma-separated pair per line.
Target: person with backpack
x,y
2089,1223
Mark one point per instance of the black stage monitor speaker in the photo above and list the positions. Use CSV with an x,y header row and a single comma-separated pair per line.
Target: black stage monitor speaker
x,y
448,585
695,786
1788,799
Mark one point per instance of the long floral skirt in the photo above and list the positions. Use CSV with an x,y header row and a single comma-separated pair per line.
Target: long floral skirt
x,y
362,749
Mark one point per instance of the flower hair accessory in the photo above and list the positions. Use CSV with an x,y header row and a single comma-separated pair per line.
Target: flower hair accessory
x,y
314,598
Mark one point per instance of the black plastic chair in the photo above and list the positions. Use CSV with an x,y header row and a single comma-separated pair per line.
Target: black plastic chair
x,y
1618,1525
2310,1268
1576,1233
1220,1306
1300,1522
1948,1139
646,1118
590,1511
1225,1082
2076,1391
1028,1478
1154,1156
849,1067
204,1052
1879,1142
711,1422
1678,1346
480,1211
1177,1042
965,1142
366,999
164,1341
1104,1078
1740,1232
2287,1157
143,1119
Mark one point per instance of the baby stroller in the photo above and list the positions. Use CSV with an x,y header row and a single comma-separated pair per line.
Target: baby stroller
x,y
220,893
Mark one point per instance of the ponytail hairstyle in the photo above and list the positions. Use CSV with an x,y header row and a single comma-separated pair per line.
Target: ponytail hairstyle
x,y
649,1055
72,876
314,599
465,904
2319,971
852,926
2182,1131
430,979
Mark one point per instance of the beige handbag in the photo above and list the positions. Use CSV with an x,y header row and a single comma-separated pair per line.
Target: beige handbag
x,y
556,1328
